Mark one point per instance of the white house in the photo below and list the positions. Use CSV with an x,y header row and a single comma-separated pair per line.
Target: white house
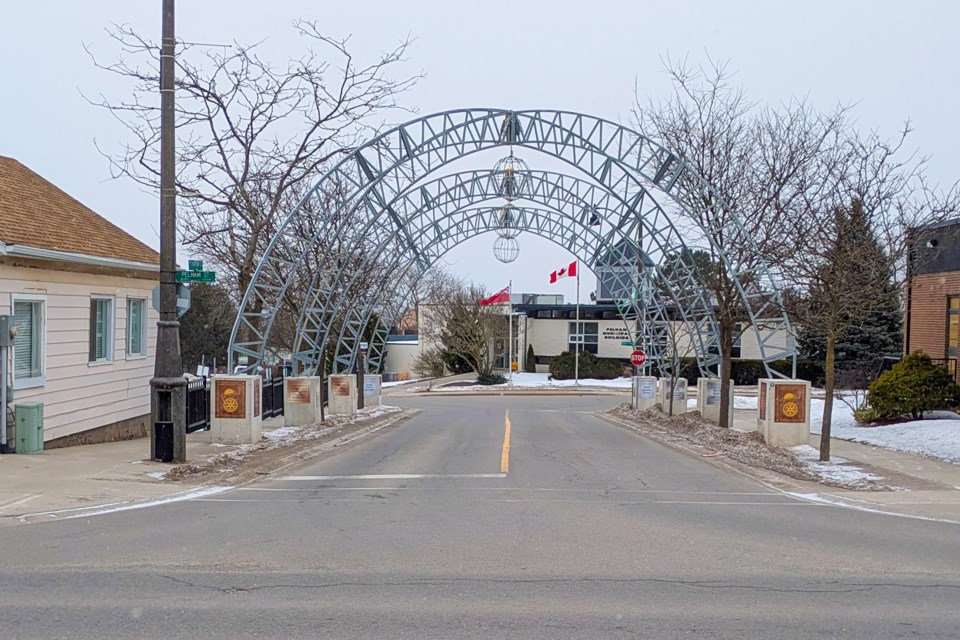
x,y
79,289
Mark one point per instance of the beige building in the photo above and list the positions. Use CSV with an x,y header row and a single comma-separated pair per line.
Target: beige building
x,y
79,289
551,329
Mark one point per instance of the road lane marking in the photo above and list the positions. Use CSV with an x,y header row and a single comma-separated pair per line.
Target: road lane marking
x,y
505,452
397,476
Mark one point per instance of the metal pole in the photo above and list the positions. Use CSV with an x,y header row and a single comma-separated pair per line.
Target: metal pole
x,y
168,386
578,335
510,330
4,445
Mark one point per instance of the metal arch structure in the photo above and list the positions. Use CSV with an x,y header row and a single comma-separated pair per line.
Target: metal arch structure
x,y
429,213
614,157
469,223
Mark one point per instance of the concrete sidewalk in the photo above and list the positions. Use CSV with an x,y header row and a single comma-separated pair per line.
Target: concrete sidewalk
x,y
926,487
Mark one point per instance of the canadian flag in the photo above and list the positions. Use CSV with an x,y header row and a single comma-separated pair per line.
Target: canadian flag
x,y
499,297
569,270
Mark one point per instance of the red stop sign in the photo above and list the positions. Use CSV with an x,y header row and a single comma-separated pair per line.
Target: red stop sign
x,y
638,358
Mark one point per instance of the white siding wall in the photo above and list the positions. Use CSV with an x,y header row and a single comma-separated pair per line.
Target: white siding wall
x,y
79,395
400,356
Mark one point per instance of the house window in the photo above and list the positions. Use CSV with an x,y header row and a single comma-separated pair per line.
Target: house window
x,y
28,346
587,336
953,326
136,327
737,348
101,329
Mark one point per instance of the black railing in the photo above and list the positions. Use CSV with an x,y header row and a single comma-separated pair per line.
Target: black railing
x,y
198,405
273,397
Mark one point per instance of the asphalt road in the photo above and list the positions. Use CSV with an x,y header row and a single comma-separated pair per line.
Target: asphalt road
x,y
431,530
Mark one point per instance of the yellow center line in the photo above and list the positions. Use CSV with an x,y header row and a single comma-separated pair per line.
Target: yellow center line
x,y
505,453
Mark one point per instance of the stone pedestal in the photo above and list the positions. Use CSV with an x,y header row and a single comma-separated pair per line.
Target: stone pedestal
x,y
371,389
235,410
343,394
783,413
679,395
708,399
644,392
301,400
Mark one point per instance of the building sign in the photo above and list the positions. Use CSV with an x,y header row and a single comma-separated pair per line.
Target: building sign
x,y
371,385
620,334
298,391
763,400
231,398
713,392
256,397
647,388
340,386
791,403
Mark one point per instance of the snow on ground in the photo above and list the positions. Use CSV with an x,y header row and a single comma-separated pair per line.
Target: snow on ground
x,y
837,470
938,437
523,380
745,402
157,475
397,383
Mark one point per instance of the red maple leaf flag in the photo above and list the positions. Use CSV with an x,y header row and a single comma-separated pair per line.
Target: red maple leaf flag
x,y
568,271
500,297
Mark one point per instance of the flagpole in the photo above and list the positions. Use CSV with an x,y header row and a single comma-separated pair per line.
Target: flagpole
x,y
576,357
510,324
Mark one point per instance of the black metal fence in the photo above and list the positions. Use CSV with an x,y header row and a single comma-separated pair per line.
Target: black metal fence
x,y
198,405
273,397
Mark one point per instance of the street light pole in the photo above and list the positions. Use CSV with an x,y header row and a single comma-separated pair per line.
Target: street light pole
x,y
168,386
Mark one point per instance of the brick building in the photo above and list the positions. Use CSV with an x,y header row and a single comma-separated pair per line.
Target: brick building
x,y
932,321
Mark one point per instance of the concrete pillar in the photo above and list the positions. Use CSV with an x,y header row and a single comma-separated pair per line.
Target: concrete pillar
x,y
708,399
783,414
235,410
343,394
679,395
644,392
301,400
371,389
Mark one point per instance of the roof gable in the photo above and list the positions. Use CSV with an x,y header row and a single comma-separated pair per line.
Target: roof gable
x,y
36,213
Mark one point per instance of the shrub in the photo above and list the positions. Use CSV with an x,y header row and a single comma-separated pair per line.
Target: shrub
x,y
561,366
455,363
530,362
912,387
865,414
489,378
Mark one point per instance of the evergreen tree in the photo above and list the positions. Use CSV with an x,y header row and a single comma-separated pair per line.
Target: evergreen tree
x,y
205,328
869,332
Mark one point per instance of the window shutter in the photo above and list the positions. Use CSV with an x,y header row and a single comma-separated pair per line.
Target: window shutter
x,y
24,359
135,326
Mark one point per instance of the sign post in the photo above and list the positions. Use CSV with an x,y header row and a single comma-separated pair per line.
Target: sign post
x,y
196,273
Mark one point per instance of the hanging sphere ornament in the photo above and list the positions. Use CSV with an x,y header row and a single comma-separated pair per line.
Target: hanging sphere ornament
x,y
506,249
510,175
507,219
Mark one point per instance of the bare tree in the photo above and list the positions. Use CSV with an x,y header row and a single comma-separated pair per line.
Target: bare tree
x,y
850,237
464,328
751,156
250,134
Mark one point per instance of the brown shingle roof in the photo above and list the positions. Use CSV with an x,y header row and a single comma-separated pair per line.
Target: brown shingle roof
x,y
35,213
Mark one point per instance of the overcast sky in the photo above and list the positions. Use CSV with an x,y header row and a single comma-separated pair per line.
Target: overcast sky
x,y
894,59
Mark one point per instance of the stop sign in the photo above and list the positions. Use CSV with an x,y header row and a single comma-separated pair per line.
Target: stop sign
x,y
637,358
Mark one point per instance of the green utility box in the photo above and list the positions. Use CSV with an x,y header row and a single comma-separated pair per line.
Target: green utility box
x,y
29,418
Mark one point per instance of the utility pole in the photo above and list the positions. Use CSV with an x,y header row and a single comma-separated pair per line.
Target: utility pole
x,y
168,387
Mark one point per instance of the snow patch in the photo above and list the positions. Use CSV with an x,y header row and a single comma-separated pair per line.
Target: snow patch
x,y
191,495
157,475
837,470
938,437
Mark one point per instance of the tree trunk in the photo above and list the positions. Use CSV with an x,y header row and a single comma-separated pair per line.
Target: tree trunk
x,y
726,349
829,380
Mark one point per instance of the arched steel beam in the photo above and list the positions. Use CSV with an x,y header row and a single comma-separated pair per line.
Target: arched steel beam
x,y
608,152
569,195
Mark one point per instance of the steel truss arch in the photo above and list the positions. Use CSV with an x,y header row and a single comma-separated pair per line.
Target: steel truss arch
x,y
617,158
425,209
